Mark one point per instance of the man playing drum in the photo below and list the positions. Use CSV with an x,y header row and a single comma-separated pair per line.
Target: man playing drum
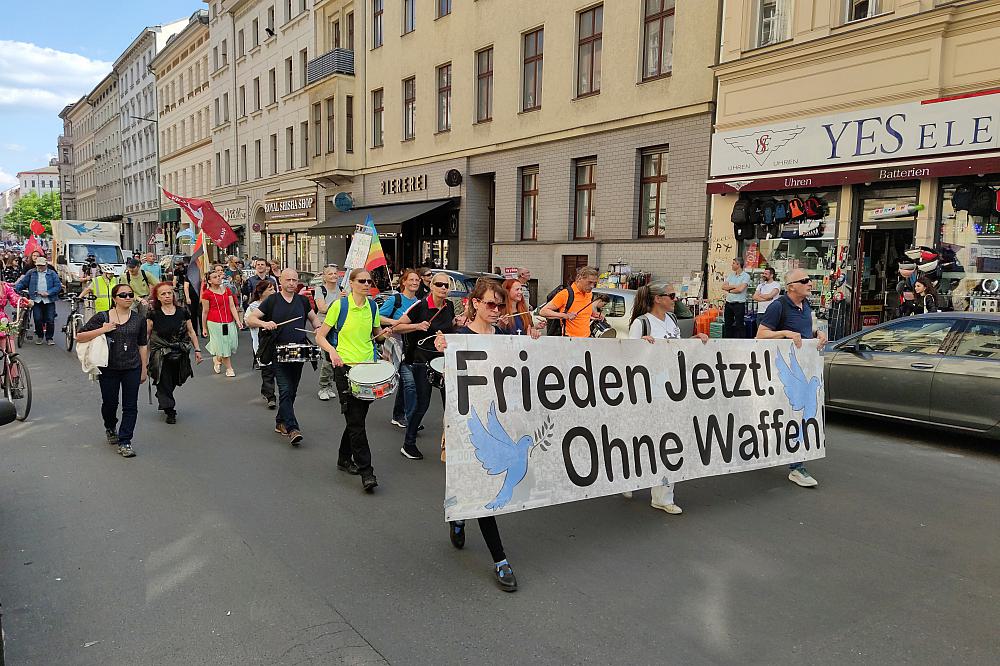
x,y
351,344
286,313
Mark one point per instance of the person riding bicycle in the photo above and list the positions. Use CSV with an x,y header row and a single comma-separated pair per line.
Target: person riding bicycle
x,y
100,288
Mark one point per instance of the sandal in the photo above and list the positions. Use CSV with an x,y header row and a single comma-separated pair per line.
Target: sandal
x,y
230,373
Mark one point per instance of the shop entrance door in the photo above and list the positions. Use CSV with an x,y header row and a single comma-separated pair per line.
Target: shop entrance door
x,y
879,253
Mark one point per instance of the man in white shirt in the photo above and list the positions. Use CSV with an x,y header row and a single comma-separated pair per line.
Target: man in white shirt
x,y
769,287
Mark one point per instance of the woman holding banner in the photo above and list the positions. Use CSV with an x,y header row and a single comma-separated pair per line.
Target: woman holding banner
x,y
653,319
486,302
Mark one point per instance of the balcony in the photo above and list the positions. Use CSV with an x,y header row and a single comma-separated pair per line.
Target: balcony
x,y
65,140
337,61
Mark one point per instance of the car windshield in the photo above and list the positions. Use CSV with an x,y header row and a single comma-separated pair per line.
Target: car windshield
x,y
105,254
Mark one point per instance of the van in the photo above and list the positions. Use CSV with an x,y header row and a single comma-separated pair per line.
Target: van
x,y
74,240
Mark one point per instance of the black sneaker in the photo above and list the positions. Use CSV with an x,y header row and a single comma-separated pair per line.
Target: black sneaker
x,y
456,530
411,452
112,437
348,466
369,482
172,417
125,450
505,577
271,404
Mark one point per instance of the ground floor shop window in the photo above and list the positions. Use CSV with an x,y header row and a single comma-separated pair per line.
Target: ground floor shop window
x,y
969,244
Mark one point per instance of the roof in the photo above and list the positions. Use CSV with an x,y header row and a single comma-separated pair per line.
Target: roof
x,y
42,170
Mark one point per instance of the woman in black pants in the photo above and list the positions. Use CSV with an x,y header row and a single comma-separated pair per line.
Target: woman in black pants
x,y
169,330
128,355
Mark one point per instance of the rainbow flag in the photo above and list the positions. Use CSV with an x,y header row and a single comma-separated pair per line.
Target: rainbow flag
x,y
376,257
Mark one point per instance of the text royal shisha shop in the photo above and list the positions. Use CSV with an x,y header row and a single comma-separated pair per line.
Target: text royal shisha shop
x,y
886,179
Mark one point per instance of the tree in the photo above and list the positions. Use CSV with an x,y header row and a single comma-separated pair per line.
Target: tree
x,y
30,207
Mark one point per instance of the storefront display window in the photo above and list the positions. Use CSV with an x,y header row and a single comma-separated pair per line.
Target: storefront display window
x,y
972,233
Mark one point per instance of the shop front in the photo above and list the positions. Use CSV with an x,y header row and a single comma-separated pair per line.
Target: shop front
x,y
287,221
235,213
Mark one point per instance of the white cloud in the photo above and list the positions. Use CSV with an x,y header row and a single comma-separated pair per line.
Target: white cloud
x,y
13,147
33,77
7,180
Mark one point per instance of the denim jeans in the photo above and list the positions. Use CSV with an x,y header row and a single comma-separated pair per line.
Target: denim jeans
x,y
112,383
406,395
423,390
44,314
287,376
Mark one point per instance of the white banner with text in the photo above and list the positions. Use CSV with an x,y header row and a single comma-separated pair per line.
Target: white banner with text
x,y
531,423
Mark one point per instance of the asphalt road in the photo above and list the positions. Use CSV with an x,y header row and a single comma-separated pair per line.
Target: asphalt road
x,y
220,544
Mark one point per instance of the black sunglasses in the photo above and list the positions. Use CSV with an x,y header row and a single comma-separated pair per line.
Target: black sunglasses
x,y
442,285
802,281
363,281
127,294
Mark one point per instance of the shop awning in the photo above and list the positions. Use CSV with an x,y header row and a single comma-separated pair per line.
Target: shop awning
x,y
388,218
940,167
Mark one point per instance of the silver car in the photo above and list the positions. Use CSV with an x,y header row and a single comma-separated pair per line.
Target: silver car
x,y
940,370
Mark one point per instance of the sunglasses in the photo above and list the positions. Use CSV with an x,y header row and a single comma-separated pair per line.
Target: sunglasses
x,y
124,295
492,305
442,285
802,281
363,281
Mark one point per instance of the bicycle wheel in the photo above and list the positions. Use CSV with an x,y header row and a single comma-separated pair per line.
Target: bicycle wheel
x,y
70,333
17,386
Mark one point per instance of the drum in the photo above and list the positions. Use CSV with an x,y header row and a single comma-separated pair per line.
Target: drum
x,y
602,329
372,381
295,352
435,372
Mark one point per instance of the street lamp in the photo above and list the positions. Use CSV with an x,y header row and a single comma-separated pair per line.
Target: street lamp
x,y
159,197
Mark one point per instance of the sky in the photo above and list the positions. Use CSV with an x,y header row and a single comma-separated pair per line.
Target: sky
x,y
53,53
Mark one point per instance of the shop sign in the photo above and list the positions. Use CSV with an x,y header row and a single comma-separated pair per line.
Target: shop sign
x,y
404,184
234,211
290,208
917,129
753,256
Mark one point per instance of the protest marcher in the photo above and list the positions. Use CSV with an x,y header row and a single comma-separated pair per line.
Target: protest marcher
x,y
769,287
100,288
420,323
150,266
356,334
327,294
128,354
517,318
391,312
486,302
43,288
790,318
737,282
653,319
573,305
171,338
28,263
232,275
274,270
425,282
524,277
220,322
260,272
8,296
264,289
142,284
285,314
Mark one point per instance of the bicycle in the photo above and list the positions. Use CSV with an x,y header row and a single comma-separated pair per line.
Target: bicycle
x,y
21,316
14,377
74,320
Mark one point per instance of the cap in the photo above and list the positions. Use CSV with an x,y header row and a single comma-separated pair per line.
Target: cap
x,y
107,268
40,261
132,262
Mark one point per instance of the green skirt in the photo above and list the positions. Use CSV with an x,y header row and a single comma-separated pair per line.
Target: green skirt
x,y
219,344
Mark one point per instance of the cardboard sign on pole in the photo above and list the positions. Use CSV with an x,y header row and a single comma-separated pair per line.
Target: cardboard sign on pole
x,y
357,255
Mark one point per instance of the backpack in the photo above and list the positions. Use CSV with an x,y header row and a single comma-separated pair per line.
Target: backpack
x,y
782,213
816,208
962,198
744,231
756,212
556,326
645,322
767,207
741,212
797,208
334,335
983,202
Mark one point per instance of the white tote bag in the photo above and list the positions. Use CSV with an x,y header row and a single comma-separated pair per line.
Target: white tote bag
x,y
93,355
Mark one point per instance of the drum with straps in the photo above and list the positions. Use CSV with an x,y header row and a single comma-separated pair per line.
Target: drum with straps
x,y
435,372
602,329
295,352
372,381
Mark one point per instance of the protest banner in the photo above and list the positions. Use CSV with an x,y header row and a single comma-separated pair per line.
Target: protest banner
x,y
531,423
357,254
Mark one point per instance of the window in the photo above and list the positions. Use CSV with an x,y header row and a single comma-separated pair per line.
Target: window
x,y
378,135
302,6
588,54
290,148
529,203
444,98
980,340
350,32
349,113
288,76
272,86
317,129
331,107
653,213
288,10
336,34
225,107
409,15
215,63
409,109
303,65
586,187
531,95
443,8
273,149
243,163
240,44
658,39
224,52
484,85
256,93
255,33
270,20
257,159
911,336
241,100
772,20
858,10
377,6
228,174
304,143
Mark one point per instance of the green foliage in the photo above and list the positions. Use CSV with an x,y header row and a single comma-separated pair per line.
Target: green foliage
x,y
30,207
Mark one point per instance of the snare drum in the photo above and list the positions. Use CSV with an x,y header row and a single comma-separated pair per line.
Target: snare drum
x,y
435,372
372,381
295,352
602,329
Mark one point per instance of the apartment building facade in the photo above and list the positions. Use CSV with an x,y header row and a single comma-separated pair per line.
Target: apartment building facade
x,y
44,180
888,108
81,119
64,151
103,99
184,124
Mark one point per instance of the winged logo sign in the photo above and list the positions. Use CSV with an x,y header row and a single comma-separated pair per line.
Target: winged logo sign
x,y
762,144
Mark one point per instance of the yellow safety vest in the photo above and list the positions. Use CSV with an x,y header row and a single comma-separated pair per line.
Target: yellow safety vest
x,y
103,302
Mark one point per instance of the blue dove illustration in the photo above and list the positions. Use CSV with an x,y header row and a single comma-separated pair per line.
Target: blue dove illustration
x,y
802,393
499,454
81,228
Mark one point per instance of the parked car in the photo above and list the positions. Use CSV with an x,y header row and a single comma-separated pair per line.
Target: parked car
x,y
619,309
940,370
462,284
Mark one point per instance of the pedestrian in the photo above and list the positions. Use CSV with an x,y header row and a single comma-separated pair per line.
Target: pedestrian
x,y
128,353
418,326
232,275
486,302
327,294
736,285
574,305
425,282
354,338
100,288
43,288
142,284
28,264
517,319
926,295
769,287
391,312
653,319
220,322
150,266
264,289
790,318
274,270
260,273
524,277
171,338
285,313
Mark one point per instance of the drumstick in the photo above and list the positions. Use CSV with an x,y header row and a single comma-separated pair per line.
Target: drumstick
x,y
289,321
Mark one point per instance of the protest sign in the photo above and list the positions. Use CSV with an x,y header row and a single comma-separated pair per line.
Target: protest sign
x,y
531,423
357,254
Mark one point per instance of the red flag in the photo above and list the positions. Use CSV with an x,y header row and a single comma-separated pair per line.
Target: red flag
x,y
37,228
31,246
206,218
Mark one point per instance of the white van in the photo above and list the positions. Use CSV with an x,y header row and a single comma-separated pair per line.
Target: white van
x,y
74,240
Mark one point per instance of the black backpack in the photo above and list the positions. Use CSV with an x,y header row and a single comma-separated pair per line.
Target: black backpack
x,y
557,326
741,212
767,207
756,211
962,198
983,202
